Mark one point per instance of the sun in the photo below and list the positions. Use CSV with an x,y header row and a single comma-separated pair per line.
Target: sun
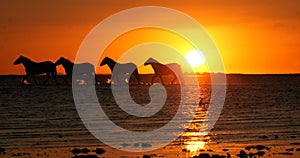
x,y
195,58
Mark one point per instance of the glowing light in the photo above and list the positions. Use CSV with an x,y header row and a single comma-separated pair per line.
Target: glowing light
x,y
195,146
195,58
196,141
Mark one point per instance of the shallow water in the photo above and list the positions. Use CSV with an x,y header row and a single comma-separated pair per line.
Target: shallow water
x,y
258,110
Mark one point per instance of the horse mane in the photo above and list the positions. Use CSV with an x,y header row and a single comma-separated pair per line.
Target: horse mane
x,y
110,59
67,64
152,60
67,60
26,58
110,62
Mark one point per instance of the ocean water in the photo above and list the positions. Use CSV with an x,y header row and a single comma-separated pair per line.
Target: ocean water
x,y
258,110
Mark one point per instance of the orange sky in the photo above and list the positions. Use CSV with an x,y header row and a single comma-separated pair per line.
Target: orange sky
x,y
253,36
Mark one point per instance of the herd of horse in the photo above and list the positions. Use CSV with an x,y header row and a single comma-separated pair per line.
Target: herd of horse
x,y
33,68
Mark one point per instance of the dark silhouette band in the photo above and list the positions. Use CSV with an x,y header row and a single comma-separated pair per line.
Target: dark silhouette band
x,y
120,70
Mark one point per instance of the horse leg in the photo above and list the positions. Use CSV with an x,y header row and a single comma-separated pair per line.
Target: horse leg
x,y
121,80
89,78
95,77
136,75
96,80
54,75
24,78
33,77
48,77
116,79
173,79
160,77
73,79
153,79
130,78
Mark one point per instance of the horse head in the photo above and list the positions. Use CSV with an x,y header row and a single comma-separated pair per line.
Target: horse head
x,y
20,60
149,61
105,61
60,61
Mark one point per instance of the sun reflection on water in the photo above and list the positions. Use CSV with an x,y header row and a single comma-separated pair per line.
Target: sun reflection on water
x,y
194,141
195,145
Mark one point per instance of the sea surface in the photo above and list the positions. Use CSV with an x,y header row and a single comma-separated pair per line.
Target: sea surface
x,y
259,111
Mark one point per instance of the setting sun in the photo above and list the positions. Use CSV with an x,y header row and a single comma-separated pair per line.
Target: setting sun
x,y
195,58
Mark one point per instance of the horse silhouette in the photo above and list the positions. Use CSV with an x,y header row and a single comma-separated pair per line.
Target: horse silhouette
x,y
121,70
81,69
164,70
32,68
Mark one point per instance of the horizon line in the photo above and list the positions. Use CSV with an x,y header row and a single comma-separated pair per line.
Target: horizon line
x,y
185,73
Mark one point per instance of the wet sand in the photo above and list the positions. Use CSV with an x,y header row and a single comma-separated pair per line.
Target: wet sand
x,y
260,117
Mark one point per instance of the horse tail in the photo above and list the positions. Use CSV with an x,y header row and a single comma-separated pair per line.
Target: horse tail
x,y
93,70
55,75
94,74
52,70
55,71
137,76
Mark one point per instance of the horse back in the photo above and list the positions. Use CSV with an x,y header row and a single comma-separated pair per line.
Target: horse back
x,y
124,68
175,68
168,69
84,68
41,67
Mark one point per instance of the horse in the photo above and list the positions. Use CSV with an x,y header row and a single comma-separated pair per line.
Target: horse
x,y
122,69
81,69
32,68
163,70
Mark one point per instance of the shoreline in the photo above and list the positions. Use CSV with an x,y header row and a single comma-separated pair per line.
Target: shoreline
x,y
166,152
